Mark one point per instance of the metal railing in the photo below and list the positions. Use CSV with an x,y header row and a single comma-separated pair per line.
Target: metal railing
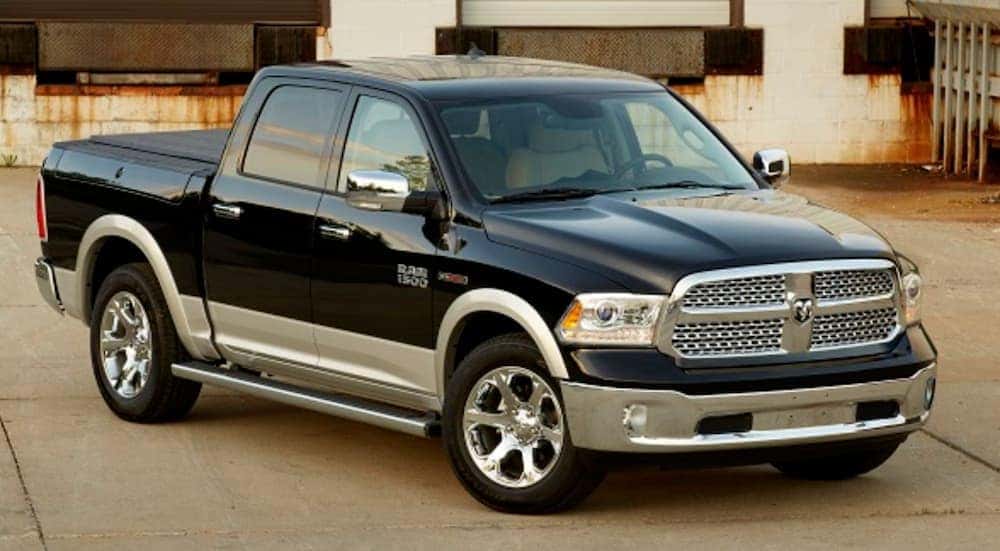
x,y
966,95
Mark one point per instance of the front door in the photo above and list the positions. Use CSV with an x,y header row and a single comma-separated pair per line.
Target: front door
x,y
259,224
371,285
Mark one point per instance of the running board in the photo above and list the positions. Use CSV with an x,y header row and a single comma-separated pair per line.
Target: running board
x,y
339,405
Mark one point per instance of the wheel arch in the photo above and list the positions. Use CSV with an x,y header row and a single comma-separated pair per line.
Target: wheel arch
x,y
494,302
188,313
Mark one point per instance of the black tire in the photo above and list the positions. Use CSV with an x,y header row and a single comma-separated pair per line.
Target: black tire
x,y
573,477
163,397
839,466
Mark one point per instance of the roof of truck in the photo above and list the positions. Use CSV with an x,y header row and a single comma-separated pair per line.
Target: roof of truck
x,y
461,76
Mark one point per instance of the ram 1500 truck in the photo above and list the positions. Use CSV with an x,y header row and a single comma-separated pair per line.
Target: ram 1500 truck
x,y
553,267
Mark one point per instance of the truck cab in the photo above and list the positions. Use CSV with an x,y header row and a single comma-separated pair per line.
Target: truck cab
x,y
550,266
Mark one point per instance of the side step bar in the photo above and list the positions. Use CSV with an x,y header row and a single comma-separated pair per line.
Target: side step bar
x,y
338,405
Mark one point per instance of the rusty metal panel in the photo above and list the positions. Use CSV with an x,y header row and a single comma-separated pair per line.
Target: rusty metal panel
x,y
871,50
190,11
285,44
145,47
734,51
650,52
17,44
459,40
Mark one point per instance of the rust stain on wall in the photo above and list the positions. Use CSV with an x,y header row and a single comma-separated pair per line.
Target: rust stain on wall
x,y
33,116
725,98
138,90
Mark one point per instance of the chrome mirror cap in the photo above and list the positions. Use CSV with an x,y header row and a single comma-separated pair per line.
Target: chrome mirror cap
x,y
377,189
379,182
774,165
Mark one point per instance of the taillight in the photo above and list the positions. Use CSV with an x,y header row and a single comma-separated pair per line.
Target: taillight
x,y
43,223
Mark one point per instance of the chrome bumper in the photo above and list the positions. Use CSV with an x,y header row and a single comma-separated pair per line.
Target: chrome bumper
x,y
45,278
652,421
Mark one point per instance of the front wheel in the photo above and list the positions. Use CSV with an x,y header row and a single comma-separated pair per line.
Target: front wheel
x,y
133,345
839,466
506,434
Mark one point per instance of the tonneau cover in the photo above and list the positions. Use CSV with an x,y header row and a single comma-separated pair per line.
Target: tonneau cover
x,y
196,145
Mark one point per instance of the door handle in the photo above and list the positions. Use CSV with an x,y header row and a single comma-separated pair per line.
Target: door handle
x,y
223,210
335,231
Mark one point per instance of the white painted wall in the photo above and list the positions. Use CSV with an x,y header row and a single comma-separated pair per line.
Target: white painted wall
x,y
366,28
804,103
598,13
890,8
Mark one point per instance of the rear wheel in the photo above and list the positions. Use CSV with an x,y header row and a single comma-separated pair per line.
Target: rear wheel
x,y
506,434
133,345
839,466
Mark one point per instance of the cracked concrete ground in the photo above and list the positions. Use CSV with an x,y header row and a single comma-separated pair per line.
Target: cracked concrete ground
x,y
244,473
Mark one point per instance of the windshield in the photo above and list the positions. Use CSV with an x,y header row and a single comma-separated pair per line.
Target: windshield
x,y
583,144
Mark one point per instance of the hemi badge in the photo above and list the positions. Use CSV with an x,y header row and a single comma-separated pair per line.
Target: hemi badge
x,y
457,279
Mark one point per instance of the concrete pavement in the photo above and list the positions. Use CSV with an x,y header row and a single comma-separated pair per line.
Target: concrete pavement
x,y
244,473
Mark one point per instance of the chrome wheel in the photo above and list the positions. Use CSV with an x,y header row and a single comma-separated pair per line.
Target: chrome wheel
x,y
513,426
126,350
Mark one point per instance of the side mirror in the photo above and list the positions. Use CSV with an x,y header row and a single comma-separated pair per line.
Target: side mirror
x,y
774,165
389,191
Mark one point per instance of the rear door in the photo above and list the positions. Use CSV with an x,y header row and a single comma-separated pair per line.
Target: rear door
x,y
259,227
373,269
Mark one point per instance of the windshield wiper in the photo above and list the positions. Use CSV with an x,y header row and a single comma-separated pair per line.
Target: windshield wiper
x,y
683,184
550,193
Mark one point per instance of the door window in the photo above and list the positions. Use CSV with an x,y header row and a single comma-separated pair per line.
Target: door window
x,y
384,137
288,140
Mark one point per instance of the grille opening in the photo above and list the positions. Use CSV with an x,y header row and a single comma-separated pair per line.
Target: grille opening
x,y
852,328
721,338
852,284
726,424
766,290
870,411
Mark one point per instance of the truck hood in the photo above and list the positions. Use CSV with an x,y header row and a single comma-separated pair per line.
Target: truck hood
x,y
646,245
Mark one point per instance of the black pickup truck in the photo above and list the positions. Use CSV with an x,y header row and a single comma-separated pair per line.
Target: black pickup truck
x,y
555,268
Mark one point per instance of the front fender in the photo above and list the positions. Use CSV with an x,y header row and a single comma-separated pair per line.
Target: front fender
x,y
499,302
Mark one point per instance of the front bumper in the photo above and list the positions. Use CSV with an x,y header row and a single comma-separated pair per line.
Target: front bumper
x,y
45,278
659,421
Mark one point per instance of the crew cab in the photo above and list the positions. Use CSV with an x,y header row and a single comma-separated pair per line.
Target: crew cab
x,y
552,267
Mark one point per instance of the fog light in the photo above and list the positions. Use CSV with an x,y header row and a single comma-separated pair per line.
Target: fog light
x,y
929,392
635,419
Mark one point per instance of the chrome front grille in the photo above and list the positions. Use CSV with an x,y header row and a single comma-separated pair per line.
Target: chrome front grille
x,y
727,338
852,284
851,328
780,309
766,290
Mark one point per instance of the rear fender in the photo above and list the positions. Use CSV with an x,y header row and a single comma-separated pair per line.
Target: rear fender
x,y
188,312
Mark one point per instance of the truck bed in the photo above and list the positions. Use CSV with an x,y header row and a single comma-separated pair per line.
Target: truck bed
x,y
161,164
155,179
195,145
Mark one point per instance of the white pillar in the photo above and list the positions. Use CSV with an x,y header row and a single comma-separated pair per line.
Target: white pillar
x,y
366,28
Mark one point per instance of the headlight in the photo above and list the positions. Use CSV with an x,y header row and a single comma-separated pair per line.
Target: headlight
x,y
912,291
612,319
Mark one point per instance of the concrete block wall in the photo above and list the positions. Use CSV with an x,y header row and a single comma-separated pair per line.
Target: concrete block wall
x,y
804,103
32,118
